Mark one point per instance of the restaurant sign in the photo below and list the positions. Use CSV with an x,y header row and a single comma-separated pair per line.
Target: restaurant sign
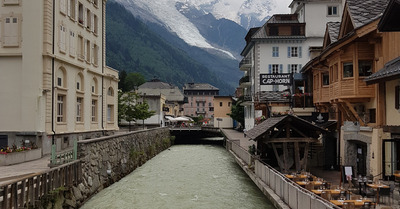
x,y
276,79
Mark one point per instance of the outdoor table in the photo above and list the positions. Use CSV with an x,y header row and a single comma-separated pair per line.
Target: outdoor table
x,y
333,191
296,176
397,175
303,183
378,187
357,203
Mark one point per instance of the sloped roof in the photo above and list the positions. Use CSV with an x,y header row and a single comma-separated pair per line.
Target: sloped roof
x,y
365,11
390,19
333,30
199,86
390,71
273,122
156,87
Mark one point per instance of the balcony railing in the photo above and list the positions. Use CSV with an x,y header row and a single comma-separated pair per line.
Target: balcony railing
x,y
247,97
245,64
244,79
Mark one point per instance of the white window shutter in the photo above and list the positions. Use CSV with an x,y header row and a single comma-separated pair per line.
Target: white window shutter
x,y
62,6
92,23
69,7
84,49
84,17
76,10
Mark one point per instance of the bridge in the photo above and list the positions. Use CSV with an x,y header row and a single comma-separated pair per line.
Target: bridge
x,y
194,132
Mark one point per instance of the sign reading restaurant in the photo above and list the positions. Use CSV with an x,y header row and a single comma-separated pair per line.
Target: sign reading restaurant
x,y
275,79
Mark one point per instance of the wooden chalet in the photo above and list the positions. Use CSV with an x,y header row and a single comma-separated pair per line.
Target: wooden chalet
x,y
353,50
288,137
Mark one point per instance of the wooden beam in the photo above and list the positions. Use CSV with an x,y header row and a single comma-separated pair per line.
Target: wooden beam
x,y
305,156
280,162
297,156
354,112
293,139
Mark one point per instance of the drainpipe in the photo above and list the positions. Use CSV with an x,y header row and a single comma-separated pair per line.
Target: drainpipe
x,y
52,77
103,66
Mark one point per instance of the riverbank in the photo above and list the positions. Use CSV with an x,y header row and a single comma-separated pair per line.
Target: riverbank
x,y
245,143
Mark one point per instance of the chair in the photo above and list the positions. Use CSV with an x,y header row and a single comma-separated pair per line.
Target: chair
x,y
349,205
356,197
392,187
326,195
384,192
367,205
310,186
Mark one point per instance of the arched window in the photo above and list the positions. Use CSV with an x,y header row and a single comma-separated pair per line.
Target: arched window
x,y
61,78
110,91
94,86
79,82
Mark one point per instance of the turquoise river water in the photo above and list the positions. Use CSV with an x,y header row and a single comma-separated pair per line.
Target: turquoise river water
x,y
184,176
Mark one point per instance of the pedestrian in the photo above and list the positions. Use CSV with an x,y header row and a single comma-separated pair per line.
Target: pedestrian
x,y
244,132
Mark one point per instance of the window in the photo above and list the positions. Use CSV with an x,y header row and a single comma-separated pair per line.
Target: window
x,y
293,68
347,70
296,31
95,24
87,49
95,54
332,10
275,68
11,32
220,104
71,9
372,115
94,86
273,31
294,52
211,109
60,108
397,98
275,88
80,13
96,3
110,113
229,104
79,80
209,104
94,110
325,79
88,19
63,6
79,102
364,68
63,39
110,92
59,81
61,77
275,51
81,48
72,44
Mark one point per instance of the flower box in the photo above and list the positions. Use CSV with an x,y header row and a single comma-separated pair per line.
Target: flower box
x,y
20,157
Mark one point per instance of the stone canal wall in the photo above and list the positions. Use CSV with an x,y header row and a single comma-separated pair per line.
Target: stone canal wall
x,y
106,160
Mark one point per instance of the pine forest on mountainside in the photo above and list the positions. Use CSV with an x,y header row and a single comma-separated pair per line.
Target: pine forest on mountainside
x,y
132,47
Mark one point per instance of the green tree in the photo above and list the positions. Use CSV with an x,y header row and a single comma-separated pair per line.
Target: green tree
x,y
133,80
237,111
122,80
142,111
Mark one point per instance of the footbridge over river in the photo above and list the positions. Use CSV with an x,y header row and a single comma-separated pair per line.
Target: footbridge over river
x,y
195,132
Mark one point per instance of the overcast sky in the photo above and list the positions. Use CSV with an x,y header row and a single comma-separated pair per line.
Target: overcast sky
x,y
282,6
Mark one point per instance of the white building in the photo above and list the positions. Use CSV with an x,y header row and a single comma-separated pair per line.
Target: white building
x,y
282,46
54,85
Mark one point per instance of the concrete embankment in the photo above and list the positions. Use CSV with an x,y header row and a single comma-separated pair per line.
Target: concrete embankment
x,y
106,160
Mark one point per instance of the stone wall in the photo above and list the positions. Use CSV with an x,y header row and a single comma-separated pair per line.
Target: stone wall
x,y
106,160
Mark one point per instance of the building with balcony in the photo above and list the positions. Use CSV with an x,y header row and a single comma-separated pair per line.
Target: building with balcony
x,y
274,55
55,84
200,100
353,51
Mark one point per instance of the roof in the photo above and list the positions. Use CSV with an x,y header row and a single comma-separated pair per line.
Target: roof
x,y
271,123
390,18
156,87
333,30
365,11
390,71
199,86
283,18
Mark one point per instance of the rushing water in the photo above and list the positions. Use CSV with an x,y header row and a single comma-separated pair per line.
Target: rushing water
x,y
184,176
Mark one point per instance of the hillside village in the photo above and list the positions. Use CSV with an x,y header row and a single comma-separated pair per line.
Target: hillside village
x,y
329,67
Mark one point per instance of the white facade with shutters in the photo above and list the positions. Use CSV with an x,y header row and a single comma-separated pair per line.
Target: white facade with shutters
x,y
54,85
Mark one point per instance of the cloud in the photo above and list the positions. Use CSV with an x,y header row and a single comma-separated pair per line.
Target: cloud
x,y
281,6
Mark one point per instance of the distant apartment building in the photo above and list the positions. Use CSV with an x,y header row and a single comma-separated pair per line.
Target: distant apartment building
x,y
54,85
276,52
200,100
171,100
222,107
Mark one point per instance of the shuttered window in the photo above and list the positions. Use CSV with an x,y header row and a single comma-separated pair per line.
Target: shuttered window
x,y
11,32
72,43
63,6
63,39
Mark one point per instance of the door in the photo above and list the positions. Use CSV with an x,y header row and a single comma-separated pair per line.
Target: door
x,y
391,157
361,159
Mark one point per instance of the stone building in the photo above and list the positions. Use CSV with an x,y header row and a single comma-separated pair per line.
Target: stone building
x,y
55,85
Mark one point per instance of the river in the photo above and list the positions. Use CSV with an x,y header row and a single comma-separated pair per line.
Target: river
x,y
184,176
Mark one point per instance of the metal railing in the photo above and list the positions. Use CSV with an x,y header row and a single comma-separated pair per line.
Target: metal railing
x,y
64,156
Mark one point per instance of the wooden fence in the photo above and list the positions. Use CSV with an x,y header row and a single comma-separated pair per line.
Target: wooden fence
x,y
27,191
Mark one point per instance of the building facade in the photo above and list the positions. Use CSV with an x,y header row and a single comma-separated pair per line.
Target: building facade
x,y
55,85
222,107
279,49
200,100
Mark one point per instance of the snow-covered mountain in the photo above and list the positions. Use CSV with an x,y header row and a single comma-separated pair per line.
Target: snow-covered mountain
x,y
247,13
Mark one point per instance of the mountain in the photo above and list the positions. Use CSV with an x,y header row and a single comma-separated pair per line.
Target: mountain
x,y
133,47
